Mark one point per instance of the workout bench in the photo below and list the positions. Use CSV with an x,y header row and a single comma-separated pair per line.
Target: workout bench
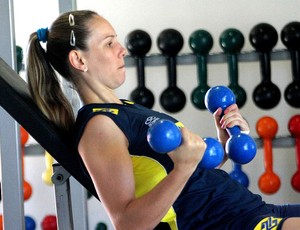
x,y
16,100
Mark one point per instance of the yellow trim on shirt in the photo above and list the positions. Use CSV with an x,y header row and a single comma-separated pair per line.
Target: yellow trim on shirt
x,y
147,174
110,110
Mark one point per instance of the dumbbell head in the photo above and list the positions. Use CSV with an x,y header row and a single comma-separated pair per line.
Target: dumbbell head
x,y
219,97
201,42
231,41
213,155
290,35
263,37
241,148
49,222
170,42
164,136
138,43
294,125
29,223
267,127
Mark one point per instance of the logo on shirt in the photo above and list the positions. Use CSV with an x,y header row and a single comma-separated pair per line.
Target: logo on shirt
x,y
268,223
151,120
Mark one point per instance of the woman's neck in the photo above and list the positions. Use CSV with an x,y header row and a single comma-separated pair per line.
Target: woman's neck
x,y
95,92
101,96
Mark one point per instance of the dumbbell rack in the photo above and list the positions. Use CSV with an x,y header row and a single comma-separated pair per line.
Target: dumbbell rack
x,y
216,58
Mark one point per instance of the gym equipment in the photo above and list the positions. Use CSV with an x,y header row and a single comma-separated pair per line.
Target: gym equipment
x,y
26,185
269,182
164,136
240,147
294,129
101,226
263,37
24,135
19,52
16,100
238,175
290,37
15,93
47,174
29,223
138,44
200,42
49,223
170,42
232,41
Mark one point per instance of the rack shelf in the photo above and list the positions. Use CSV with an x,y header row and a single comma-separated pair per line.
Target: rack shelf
x,y
190,58
278,142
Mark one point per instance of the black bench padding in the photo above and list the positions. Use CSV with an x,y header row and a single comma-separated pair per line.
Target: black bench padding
x,y
16,100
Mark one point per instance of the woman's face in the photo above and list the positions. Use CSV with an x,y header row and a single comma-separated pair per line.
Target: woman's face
x,y
105,55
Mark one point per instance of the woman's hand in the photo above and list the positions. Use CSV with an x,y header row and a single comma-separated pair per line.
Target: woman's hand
x,y
231,117
188,155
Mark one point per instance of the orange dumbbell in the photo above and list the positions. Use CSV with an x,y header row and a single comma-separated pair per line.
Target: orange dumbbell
x,y
26,186
269,182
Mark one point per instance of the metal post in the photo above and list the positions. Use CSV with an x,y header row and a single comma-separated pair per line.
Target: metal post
x,y
79,205
11,157
66,5
7,33
11,170
61,183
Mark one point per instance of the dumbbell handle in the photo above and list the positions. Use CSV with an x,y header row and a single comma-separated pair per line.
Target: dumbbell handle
x,y
268,155
235,130
297,140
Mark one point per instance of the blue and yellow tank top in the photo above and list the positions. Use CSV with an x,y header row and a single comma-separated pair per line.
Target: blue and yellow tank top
x,y
204,202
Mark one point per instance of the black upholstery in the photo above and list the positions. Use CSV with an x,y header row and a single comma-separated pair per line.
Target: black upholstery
x,y
16,100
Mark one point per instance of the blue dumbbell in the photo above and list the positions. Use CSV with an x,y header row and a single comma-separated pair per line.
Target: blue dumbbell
x,y
164,136
238,175
29,223
240,147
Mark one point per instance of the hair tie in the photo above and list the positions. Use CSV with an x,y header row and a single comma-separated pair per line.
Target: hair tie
x,y
42,34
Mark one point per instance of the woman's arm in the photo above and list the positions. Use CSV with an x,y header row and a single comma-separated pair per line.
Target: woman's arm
x,y
104,150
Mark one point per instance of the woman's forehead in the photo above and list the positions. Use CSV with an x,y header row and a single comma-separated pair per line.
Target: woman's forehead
x,y
101,27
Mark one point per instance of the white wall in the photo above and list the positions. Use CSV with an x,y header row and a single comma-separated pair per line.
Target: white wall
x,y
185,16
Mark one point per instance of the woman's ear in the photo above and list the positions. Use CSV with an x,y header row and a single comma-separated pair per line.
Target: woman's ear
x,y
76,60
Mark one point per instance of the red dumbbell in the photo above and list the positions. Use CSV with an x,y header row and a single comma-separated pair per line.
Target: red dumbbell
x,y
269,182
49,222
294,128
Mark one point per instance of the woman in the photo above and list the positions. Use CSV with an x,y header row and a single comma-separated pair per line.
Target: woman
x,y
138,187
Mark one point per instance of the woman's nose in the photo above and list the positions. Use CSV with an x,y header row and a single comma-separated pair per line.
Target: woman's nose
x,y
124,51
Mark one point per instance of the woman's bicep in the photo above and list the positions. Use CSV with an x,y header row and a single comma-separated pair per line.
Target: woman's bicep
x,y
104,150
